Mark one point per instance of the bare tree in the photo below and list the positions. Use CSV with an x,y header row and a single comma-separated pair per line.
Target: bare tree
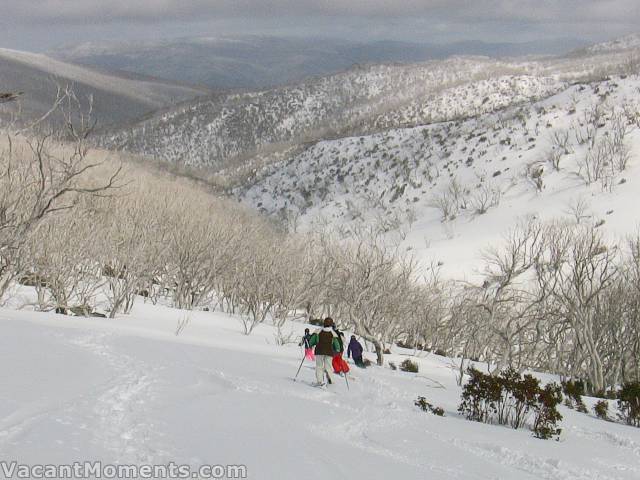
x,y
579,210
41,175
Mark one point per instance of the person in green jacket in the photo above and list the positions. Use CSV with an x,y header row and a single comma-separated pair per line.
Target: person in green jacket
x,y
326,345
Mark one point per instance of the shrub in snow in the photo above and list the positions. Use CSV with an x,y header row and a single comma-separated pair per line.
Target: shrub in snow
x,y
409,366
601,409
547,417
511,399
479,397
629,403
392,366
573,392
421,402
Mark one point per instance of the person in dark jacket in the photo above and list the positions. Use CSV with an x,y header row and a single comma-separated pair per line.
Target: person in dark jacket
x,y
355,351
308,350
326,345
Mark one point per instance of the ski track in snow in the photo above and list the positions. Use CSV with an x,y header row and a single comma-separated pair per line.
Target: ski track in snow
x,y
535,465
613,439
117,406
146,401
121,403
14,425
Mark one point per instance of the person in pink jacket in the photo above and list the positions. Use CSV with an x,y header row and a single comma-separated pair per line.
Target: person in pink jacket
x,y
308,349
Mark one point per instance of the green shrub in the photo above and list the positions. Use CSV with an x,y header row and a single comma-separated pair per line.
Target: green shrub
x,y
601,409
547,417
409,366
629,403
573,392
510,398
421,402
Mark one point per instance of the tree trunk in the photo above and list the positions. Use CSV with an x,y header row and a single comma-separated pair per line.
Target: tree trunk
x,y
5,281
379,352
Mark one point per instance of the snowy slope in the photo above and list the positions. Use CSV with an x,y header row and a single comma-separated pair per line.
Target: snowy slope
x,y
396,176
214,131
629,42
236,129
130,391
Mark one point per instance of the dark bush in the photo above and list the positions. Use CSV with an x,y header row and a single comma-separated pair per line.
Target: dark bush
x,y
601,409
510,399
573,392
480,396
629,403
409,366
425,406
545,425
412,345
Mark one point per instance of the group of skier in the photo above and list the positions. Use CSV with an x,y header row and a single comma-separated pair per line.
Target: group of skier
x,y
326,348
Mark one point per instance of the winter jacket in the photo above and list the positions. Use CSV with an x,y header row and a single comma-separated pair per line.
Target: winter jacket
x,y
340,338
355,349
305,341
325,341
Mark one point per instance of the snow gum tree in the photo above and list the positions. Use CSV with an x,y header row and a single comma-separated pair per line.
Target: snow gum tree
x,y
42,174
371,282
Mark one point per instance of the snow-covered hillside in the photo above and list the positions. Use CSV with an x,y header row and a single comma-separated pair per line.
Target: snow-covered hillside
x,y
130,391
212,132
500,167
231,130
629,42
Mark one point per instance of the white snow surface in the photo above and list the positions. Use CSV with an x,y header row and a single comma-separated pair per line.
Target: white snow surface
x,y
130,391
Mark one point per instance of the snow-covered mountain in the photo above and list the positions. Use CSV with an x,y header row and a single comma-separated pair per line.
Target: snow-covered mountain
x,y
258,62
629,42
388,143
132,392
117,98
230,129
452,188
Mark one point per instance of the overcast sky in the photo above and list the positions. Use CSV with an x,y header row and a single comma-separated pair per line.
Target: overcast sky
x,y
44,24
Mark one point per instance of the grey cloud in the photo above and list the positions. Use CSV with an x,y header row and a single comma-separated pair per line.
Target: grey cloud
x,y
104,11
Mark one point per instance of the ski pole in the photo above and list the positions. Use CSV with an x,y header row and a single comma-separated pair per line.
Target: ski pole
x,y
296,377
346,379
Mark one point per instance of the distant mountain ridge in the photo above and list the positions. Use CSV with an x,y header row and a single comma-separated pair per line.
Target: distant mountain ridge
x,y
117,98
248,129
629,42
258,62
